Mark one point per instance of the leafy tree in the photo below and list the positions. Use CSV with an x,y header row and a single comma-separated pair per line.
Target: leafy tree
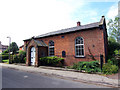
x,y
114,28
13,48
111,39
112,46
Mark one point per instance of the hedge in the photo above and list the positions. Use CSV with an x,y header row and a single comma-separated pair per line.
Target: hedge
x,y
51,61
4,57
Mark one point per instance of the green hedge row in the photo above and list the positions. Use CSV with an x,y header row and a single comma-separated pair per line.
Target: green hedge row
x,y
4,57
51,61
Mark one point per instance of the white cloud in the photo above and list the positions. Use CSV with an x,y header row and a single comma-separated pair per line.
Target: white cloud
x,y
22,19
113,11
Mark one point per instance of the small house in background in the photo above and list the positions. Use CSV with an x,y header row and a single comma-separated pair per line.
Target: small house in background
x,y
3,47
75,44
21,48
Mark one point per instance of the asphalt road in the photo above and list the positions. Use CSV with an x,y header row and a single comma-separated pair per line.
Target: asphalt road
x,y
12,78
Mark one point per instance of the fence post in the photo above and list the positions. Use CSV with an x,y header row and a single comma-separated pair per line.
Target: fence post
x,y
101,61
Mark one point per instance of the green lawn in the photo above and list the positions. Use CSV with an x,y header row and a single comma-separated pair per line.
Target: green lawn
x,y
5,61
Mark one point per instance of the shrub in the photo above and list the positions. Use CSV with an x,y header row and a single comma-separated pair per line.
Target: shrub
x,y
75,65
109,69
4,57
5,52
113,61
117,52
51,61
16,59
89,67
5,61
22,55
25,59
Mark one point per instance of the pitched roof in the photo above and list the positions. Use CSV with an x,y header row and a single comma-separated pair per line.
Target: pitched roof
x,y
40,43
77,28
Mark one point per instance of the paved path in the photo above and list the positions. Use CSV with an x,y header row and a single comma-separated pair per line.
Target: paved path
x,y
83,77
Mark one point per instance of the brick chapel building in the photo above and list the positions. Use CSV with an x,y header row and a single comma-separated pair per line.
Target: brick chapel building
x,y
80,43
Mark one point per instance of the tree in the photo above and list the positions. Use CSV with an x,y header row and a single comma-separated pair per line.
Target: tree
x,y
112,46
13,48
114,28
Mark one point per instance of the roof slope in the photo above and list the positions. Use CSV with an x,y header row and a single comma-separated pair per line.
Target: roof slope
x,y
92,25
77,28
40,43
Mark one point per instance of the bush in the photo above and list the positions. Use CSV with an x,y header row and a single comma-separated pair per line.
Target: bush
x,y
109,69
89,67
117,52
4,57
5,52
113,61
25,59
5,61
51,61
22,55
16,59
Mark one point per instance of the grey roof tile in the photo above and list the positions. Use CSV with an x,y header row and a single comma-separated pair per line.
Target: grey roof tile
x,y
92,25
40,43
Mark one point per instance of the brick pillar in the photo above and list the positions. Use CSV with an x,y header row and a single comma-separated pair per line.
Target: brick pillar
x,y
36,57
28,57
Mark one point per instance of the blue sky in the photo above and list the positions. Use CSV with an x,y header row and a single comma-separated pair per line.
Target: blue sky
x,y
92,11
22,19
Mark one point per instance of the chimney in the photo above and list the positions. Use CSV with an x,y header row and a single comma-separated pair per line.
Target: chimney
x,y
78,23
103,16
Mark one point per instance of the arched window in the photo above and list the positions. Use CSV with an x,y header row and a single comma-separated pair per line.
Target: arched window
x,y
63,54
79,47
51,48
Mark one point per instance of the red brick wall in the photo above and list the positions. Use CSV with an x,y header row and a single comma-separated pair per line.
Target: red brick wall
x,y
93,42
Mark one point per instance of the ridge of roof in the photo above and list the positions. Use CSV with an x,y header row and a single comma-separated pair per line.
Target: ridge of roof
x,y
92,25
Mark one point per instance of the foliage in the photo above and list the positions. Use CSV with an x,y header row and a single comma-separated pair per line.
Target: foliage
x,y
5,52
51,61
89,67
117,52
114,61
19,58
4,57
25,59
16,59
112,46
5,61
109,69
114,28
13,48
22,55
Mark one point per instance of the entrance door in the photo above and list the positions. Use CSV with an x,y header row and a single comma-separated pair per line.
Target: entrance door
x,y
32,56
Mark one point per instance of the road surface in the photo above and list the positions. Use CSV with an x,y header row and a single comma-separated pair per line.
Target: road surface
x,y
12,78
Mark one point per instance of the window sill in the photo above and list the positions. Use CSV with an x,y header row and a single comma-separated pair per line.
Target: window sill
x,y
79,56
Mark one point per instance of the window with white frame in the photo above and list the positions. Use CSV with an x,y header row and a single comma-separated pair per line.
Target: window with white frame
x,y
51,48
79,47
